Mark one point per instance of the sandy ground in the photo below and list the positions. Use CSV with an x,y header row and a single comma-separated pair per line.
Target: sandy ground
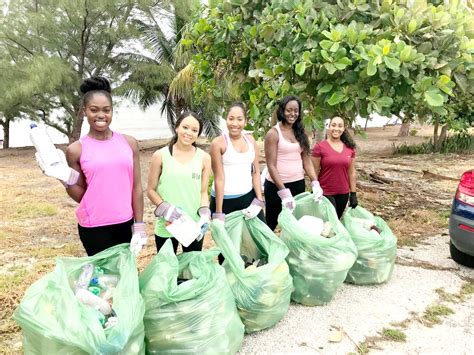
x,y
423,277
37,224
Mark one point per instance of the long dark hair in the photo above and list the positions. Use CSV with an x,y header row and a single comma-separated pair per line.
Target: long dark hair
x,y
346,137
93,85
178,122
298,127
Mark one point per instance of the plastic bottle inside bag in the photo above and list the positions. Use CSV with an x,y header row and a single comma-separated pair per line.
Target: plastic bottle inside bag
x,y
84,278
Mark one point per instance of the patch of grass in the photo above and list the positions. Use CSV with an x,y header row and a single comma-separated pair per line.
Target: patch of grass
x,y
35,209
467,288
394,335
71,249
448,297
403,324
457,143
433,313
363,348
12,280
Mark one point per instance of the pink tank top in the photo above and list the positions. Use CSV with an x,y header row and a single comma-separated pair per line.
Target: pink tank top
x,y
289,162
108,168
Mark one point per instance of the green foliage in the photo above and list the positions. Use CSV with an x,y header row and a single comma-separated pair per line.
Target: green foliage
x,y
57,43
394,335
345,58
457,143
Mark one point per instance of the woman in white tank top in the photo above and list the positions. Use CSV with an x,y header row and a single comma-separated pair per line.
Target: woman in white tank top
x,y
234,158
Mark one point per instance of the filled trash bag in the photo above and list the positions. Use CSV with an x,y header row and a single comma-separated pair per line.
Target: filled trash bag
x,y
190,308
318,264
262,290
54,321
376,245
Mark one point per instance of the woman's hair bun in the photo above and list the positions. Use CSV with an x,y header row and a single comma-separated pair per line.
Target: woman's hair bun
x,y
95,83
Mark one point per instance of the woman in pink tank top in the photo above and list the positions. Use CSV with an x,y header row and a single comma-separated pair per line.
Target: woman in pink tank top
x,y
288,159
109,189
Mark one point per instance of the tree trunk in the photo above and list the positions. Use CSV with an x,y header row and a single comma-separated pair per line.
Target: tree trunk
x,y
404,129
6,133
76,128
441,138
435,132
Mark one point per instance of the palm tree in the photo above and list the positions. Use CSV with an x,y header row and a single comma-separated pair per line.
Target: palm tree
x,y
166,73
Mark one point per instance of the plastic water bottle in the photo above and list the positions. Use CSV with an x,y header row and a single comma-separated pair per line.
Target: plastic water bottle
x,y
85,277
44,146
88,298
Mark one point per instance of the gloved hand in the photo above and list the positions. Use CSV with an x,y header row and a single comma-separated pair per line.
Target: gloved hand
x,y
218,217
254,209
203,223
287,199
167,211
317,190
139,237
60,171
353,200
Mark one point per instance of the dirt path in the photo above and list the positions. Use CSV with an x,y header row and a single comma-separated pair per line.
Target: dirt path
x,y
37,220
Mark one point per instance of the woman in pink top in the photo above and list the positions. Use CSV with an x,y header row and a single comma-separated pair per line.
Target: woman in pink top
x,y
334,162
109,189
287,155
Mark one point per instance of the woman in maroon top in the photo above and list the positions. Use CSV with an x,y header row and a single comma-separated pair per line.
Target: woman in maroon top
x,y
334,162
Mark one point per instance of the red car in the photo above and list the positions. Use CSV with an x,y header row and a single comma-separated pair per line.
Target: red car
x,y
461,221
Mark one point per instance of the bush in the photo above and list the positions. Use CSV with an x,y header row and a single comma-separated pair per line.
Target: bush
x,y
458,143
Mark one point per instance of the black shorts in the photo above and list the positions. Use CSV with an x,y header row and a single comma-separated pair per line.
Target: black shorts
x,y
230,205
97,239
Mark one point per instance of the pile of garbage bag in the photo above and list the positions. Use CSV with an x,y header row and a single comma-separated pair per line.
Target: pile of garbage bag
x,y
262,286
321,253
189,305
87,305
376,245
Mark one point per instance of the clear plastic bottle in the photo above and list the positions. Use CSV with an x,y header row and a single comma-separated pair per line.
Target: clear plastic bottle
x,y
44,146
88,298
84,278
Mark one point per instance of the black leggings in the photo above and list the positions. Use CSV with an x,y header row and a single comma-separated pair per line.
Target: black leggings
x,y
194,246
273,201
339,202
230,205
97,239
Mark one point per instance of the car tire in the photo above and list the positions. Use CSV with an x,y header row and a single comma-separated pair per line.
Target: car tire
x,y
460,257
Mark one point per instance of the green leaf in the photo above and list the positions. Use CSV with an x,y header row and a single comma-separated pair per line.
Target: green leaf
x,y
325,44
443,80
371,68
253,98
254,112
267,32
326,88
336,98
326,55
392,63
330,68
302,22
433,97
384,101
186,42
334,47
344,60
307,56
300,68
375,91
412,25
299,86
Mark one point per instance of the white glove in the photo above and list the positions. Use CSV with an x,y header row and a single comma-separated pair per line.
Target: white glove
x,y
317,190
60,171
139,238
204,221
287,199
254,209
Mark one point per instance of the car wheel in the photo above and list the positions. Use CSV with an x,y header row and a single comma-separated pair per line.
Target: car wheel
x,y
460,257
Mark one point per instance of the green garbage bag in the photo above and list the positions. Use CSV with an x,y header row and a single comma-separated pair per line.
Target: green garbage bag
x,y
377,249
319,265
262,293
53,321
196,316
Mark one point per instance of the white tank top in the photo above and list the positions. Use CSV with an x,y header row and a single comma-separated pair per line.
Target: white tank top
x,y
237,169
